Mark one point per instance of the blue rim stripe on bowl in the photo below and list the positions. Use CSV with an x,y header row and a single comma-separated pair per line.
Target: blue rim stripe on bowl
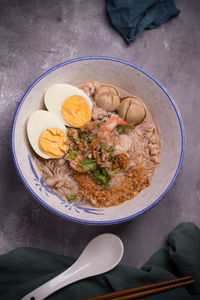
x,y
77,219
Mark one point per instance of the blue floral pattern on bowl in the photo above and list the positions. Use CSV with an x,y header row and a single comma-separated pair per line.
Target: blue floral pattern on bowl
x,y
40,184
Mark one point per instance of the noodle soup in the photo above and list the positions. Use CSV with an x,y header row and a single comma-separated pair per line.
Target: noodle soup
x,y
111,158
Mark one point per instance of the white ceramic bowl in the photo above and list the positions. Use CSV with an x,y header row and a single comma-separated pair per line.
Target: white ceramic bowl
x,y
131,78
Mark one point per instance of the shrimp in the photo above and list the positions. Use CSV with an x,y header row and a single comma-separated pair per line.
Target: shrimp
x,y
121,142
105,131
89,126
74,164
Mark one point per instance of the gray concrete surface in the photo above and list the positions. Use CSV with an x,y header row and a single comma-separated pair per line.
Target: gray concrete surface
x,y
36,35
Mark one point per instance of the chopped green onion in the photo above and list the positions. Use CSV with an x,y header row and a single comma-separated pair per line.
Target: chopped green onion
x,y
68,129
72,155
86,161
111,149
92,138
107,185
84,143
104,172
101,176
84,137
115,171
103,145
88,164
99,125
71,198
77,140
122,128
111,158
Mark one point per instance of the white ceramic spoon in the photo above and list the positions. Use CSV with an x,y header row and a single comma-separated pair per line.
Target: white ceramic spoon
x,y
102,254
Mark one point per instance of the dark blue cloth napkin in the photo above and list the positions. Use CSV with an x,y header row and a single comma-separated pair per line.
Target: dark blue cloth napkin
x,y
131,17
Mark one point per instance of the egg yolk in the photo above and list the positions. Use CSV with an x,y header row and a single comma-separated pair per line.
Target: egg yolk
x,y
53,142
76,111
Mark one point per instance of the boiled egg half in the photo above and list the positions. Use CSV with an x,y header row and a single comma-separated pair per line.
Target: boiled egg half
x,y
47,135
70,104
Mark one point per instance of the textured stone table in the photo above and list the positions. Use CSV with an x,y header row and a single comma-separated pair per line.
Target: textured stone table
x,y
36,35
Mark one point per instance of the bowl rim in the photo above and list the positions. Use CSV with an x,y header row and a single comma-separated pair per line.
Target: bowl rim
x,y
90,222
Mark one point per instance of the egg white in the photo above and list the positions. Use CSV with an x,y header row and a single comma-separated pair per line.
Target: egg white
x,y
57,94
39,121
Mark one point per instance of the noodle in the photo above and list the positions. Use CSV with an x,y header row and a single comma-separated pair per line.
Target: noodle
x,y
57,177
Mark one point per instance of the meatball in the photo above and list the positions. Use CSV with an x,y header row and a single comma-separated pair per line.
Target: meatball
x,y
107,98
132,110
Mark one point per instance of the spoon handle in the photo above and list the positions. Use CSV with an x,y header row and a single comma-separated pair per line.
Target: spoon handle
x,y
74,273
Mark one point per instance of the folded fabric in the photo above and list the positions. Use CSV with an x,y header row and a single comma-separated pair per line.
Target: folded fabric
x,y
24,269
131,17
